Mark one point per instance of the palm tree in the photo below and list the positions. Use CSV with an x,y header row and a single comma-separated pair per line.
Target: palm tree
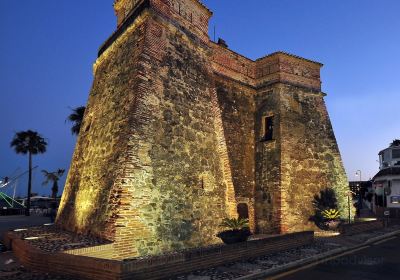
x,y
76,118
53,177
31,143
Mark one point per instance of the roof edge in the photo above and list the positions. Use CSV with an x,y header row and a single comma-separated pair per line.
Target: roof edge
x,y
291,55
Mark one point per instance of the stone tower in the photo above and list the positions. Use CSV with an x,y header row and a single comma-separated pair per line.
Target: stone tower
x,y
181,132
149,169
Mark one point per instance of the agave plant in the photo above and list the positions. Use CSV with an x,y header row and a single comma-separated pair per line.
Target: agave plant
x,y
238,230
235,224
325,208
331,214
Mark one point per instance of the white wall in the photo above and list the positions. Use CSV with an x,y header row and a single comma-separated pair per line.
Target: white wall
x,y
395,192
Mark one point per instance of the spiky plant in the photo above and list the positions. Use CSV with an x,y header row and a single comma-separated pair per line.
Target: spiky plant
x,y
325,208
331,214
235,224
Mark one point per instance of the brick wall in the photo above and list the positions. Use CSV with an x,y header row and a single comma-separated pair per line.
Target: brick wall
x,y
157,267
190,14
286,68
65,264
234,66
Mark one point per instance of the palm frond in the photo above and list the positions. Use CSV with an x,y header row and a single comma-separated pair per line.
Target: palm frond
x,y
52,176
28,141
76,118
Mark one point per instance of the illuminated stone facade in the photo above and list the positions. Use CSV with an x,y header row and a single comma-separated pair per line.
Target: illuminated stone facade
x,y
180,132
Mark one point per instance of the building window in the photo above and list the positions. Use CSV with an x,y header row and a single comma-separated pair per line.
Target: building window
x,y
268,127
396,153
395,199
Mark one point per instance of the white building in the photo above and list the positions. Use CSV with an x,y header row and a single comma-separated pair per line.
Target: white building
x,y
387,180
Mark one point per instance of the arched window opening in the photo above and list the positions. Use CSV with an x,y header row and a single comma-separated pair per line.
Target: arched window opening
x,y
243,211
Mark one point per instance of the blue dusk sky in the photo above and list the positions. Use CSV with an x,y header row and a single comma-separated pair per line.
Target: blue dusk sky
x,y
47,49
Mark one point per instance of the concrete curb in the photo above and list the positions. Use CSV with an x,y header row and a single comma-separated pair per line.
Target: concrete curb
x,y
316,258
378,238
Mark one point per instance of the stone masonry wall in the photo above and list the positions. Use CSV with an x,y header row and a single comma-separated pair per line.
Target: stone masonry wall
x,y
103,137
177,188
237,106
310,157
267,163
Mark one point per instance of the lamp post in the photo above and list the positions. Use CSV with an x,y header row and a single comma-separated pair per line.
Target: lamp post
x,y
349,195
358,173
348,205
359,204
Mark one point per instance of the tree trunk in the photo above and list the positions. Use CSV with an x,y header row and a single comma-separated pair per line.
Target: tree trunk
x,y
28,198
54,190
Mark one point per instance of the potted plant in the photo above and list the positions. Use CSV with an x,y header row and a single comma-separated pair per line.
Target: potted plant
x,y
332,217
326,215
238,230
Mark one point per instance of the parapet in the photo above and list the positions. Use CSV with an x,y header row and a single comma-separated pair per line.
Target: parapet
x,y
194,17
273,68
232,65
288,68
191,14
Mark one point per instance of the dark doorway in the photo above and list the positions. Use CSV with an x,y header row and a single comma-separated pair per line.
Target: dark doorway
x,y
243,211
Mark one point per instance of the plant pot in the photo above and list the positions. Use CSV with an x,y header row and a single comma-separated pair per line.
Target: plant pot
x,y
332,225
234,236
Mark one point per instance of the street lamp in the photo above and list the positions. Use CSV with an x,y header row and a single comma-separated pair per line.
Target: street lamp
x,y
358,173
359,204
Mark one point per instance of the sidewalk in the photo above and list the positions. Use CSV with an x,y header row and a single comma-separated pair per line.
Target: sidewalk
x,y
13,222
324,247
262,267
